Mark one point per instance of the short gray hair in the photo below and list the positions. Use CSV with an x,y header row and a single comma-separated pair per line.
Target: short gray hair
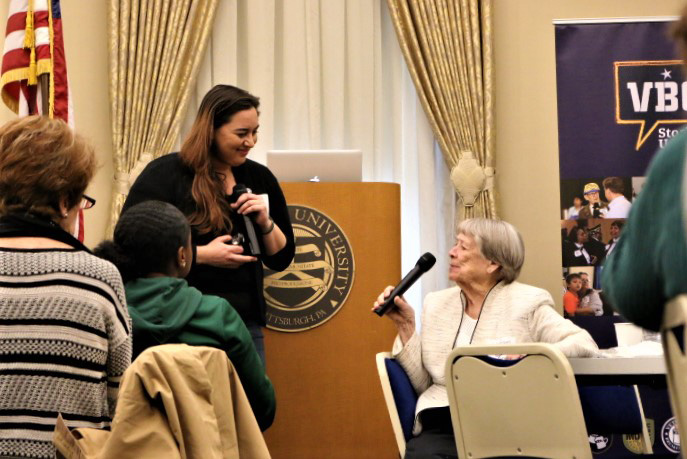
x,y
497,241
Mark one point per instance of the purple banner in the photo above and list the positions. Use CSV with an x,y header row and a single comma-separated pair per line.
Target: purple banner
x,y
621,95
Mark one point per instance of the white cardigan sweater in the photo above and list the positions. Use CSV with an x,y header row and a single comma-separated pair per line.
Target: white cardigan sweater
x,y
512,313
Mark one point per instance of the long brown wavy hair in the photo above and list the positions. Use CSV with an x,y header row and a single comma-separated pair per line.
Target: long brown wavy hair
x,y
218,106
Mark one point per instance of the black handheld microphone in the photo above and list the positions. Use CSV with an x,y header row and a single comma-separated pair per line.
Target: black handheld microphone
x,y
253,244
424,264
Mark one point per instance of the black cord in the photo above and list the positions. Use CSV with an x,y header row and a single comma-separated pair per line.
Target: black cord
x,y
478,316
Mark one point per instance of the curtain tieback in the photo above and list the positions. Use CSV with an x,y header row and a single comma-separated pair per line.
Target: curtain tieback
x,y
124,180
470,178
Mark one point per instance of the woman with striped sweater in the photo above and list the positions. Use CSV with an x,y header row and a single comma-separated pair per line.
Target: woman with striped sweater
x,y
65,333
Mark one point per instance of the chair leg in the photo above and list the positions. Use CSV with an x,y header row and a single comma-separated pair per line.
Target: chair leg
x,y
646,440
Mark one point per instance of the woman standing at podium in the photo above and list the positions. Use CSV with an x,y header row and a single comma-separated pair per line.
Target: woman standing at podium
x,y
200,181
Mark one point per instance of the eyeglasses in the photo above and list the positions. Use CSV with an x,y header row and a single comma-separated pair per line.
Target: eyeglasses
x,y
87,202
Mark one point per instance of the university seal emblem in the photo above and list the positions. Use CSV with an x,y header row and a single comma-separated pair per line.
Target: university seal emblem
x,y
671,436
316,284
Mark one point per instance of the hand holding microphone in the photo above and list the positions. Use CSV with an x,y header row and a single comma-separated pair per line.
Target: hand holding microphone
x,y
423,265
401,314
253,244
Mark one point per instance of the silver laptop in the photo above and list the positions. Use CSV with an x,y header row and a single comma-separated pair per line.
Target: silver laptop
x,y
316,165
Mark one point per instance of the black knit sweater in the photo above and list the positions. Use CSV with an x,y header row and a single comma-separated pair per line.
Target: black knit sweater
x,y
168,179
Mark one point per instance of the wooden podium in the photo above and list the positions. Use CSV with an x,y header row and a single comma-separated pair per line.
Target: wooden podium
x,y
329,400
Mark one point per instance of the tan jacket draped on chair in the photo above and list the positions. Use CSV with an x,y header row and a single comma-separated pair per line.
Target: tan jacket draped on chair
x,y
175,401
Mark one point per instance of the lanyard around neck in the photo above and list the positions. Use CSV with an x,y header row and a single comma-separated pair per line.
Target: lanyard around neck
x,y
484,302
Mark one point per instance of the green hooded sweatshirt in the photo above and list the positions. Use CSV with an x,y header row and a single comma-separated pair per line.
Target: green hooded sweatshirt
x,y
166,310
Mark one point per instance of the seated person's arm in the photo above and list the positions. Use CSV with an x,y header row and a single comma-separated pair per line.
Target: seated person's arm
x,y
407,347
585,311
118,358
595,303
548,326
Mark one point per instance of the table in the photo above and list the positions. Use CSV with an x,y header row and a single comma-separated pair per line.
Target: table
x,y
617,366
604,371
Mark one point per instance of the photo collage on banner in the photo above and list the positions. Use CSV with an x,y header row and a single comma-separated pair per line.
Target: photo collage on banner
x,y
621,97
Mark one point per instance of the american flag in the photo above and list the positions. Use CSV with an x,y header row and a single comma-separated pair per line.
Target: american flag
x,y
34,65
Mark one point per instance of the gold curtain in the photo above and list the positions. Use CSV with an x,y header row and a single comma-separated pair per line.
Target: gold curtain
x,y
447,45
155,51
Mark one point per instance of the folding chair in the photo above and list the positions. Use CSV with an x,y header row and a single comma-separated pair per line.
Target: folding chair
x,y
400,398
526,408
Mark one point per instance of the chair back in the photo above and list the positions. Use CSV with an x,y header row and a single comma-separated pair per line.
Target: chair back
x,y
400,398
504,408
673,339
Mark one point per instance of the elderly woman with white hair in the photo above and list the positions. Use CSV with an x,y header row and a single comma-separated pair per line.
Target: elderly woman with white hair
x,y
486,307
